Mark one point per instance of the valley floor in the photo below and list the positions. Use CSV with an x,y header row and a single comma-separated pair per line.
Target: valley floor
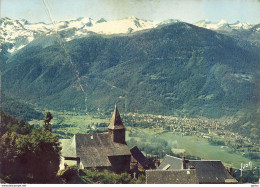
x,y
201,138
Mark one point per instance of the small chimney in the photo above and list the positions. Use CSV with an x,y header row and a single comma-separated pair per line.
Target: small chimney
x,y
157,163
183,162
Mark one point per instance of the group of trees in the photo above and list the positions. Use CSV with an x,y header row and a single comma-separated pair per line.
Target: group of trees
x,y
248,176
19,109
72,175
248,125
216,142
32,155
28,155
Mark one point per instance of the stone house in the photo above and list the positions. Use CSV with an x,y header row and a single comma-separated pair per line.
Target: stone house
x,y
98,150
183,171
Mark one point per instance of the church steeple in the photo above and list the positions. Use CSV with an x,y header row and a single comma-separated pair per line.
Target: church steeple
x,y
116,122
116,127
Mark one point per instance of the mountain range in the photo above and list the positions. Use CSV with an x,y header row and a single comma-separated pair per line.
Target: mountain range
x,y
15,34
223,25
171,68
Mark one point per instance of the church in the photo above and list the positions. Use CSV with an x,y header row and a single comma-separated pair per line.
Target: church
x,y
98,150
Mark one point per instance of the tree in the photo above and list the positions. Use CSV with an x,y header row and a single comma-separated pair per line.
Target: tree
x,y
47,119
27,156
45,156
32,158
11,124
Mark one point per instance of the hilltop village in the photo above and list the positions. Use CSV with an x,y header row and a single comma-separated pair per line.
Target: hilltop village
x,y
108,150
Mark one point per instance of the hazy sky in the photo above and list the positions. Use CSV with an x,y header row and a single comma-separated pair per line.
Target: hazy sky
x,y
159,10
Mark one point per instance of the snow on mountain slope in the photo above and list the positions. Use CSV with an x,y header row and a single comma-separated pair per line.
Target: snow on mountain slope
x,y
127,25
16,34
223,25
238,25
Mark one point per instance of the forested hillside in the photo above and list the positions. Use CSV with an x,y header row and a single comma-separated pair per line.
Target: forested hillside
x,y
19,109
176,69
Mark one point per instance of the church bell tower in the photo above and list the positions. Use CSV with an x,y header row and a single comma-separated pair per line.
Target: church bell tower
x,y
116,128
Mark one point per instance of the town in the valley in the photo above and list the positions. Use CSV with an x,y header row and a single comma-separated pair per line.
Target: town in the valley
x,y
109,150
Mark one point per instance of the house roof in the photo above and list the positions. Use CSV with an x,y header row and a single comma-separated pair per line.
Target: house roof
x,y
209,171
116,122
170,163
171,177
93,149
68,147
138,155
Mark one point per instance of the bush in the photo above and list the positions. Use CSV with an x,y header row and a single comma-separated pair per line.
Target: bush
x,y
93,176
216,142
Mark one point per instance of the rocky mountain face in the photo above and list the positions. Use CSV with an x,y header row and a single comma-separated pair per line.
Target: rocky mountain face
x,y
237,30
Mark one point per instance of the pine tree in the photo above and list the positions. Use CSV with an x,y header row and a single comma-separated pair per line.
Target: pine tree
x,y
47,119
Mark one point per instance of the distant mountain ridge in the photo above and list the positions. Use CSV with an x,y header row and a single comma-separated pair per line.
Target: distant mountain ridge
x,y
223,25
237,30
16,34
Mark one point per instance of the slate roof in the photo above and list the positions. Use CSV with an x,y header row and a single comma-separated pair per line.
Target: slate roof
x,y
207,171
171,177
93,149
138,155
68,147
170,163
210,171
116,122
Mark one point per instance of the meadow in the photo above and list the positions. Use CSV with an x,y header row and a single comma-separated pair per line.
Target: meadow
x,y
193,145
66,124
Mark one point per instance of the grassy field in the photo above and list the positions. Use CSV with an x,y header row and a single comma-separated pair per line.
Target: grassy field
x,y
196,146
200,147
72,122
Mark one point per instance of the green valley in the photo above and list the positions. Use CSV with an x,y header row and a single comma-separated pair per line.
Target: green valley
x,y
153,139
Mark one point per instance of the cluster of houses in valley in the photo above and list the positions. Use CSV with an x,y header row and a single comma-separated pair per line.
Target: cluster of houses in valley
x,y
109,151
202,127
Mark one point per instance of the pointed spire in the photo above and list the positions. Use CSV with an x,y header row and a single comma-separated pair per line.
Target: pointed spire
x,y
116,122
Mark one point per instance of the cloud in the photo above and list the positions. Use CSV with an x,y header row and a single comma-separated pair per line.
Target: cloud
x,y
123,8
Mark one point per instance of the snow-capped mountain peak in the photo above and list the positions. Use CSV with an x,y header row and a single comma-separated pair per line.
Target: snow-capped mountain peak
x,y
222,25
203,23
209,25
222,22
18,33
239,25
